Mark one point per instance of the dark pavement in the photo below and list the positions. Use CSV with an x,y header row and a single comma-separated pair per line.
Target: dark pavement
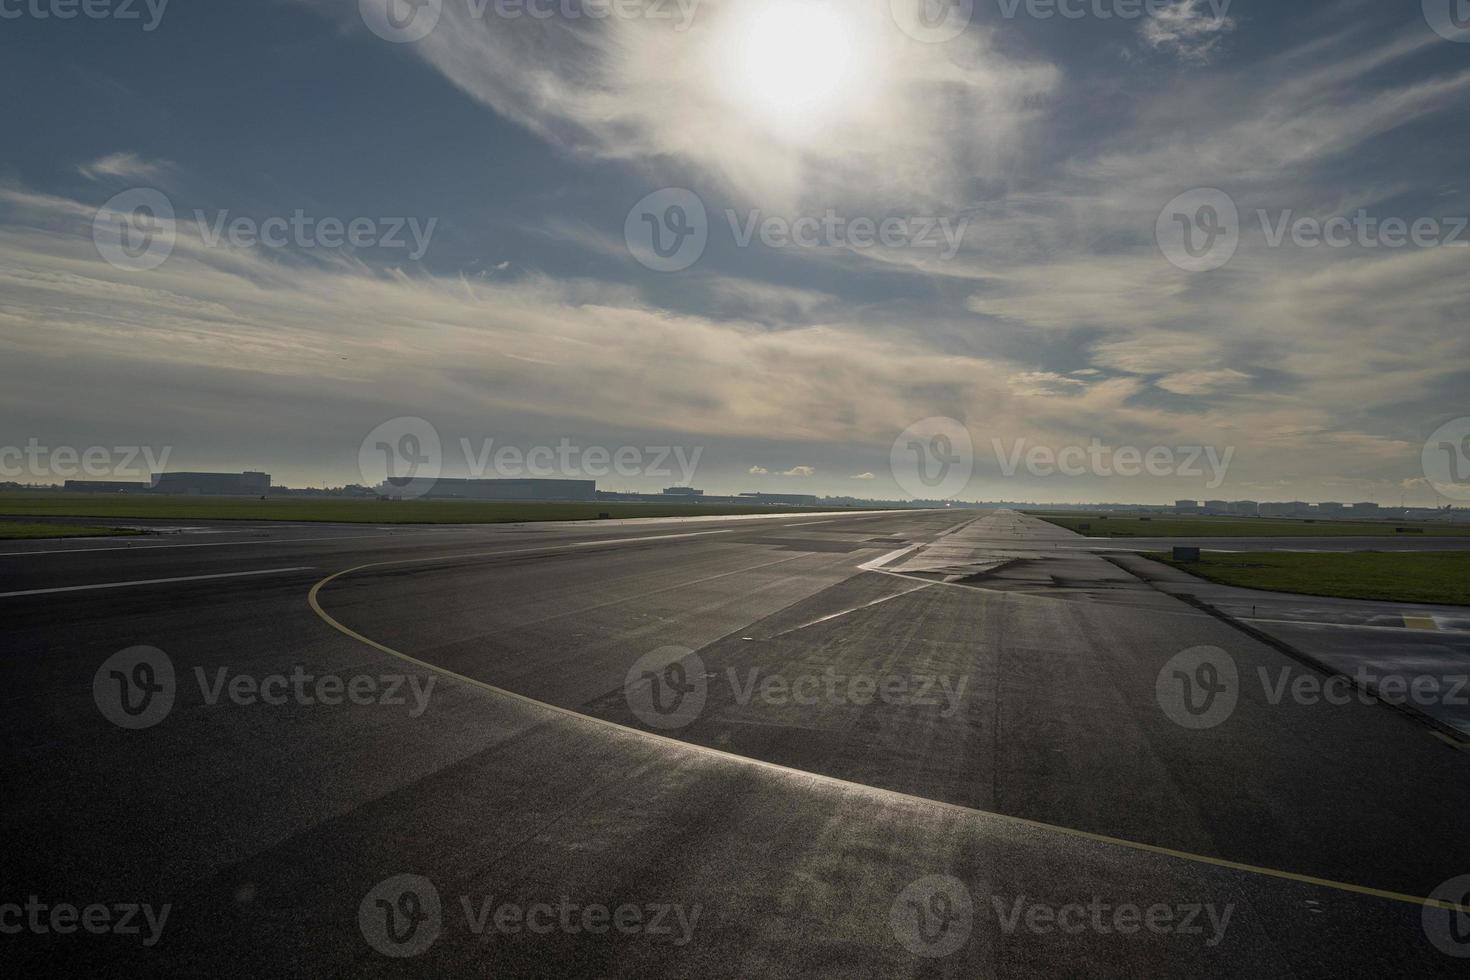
x,y
793,764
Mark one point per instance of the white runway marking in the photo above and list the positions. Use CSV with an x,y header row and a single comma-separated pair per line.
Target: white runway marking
x,y
845,612
154,581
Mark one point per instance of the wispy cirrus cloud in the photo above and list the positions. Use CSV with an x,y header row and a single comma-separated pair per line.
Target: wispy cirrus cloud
x,y
1192,30
125,166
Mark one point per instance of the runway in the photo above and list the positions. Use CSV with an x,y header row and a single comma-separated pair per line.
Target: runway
x,y
893,744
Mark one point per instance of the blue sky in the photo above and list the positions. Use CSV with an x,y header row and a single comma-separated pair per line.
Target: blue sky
x,y
1057,320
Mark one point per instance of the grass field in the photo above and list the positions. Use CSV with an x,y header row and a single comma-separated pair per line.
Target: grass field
x,y
23,532
1169,526
1404,576
344,511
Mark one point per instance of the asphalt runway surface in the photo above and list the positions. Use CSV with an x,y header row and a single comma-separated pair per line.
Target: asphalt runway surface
x,y
905,744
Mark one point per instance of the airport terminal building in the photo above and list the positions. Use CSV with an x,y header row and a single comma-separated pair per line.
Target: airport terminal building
x,y
452,488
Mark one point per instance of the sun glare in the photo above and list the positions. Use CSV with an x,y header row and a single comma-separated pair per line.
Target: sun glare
x,y
790,61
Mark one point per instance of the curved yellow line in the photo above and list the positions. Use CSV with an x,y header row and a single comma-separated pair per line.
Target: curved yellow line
x,y
313,599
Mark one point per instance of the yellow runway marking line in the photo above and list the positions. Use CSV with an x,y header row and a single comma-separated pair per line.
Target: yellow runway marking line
x,y
313,600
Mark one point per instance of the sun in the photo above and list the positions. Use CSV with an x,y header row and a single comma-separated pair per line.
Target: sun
x,y
792,62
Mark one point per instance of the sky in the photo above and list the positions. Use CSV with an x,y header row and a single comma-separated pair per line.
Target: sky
x,y
845,247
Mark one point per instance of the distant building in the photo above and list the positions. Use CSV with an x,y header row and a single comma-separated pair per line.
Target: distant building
x,y
782,499
1245,508
105,486
1296,508
683,492
238,484
451,488
1331,509
1186,506
1217,506
1366,510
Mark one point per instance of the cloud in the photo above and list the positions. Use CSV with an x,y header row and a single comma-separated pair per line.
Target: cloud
x,y
573,356
1157,352
1191,30
864,476
128,166
924,121
1043,382
1202,382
